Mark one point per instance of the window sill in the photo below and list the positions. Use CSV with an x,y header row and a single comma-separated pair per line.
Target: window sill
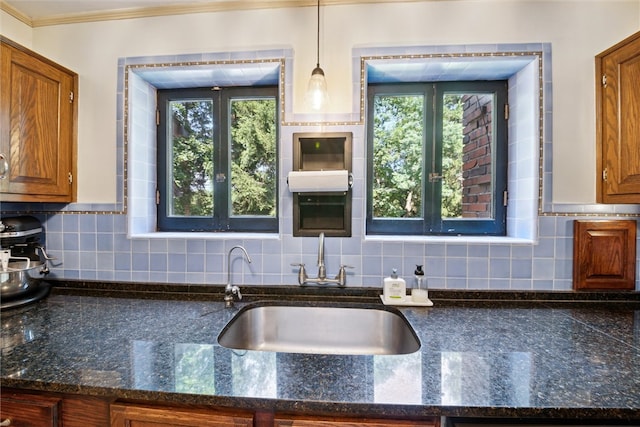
x,y
452,239
204,236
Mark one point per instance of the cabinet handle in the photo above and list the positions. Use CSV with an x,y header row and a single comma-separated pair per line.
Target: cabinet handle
x,y
6,423
3,175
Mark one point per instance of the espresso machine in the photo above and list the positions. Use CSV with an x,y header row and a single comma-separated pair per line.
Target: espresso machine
x,y
23,261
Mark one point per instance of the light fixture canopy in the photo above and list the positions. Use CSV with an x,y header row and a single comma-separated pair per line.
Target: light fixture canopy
x,y
317,94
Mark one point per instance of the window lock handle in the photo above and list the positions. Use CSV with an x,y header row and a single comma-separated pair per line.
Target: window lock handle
x,y
434,176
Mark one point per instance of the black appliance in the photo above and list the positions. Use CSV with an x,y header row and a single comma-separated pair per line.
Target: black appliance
x,y
21,244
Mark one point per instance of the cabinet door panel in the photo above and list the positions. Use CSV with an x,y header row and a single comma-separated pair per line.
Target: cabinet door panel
x,y
298,421
37,132
30,410
604,255
619,122
132,415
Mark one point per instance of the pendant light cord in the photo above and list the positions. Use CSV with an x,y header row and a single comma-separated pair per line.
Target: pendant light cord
x,y
318,38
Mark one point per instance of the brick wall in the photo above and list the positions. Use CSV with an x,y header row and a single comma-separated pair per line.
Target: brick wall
x,y
477,129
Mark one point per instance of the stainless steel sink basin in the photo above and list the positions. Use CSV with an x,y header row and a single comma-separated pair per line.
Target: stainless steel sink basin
x,y
326,329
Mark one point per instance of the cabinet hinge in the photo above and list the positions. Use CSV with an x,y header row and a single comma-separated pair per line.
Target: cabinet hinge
x,y
505,198
605,174
71,97
157,197
604,80
70,176
157,117
506,111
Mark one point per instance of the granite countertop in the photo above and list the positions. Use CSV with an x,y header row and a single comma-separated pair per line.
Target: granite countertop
x,y
504,359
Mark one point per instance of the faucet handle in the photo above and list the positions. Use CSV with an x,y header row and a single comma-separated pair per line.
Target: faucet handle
x,y
342,275
302,273
236,290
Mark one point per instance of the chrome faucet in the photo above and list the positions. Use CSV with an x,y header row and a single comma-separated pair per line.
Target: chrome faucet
x,y
322,270
303,279
232,291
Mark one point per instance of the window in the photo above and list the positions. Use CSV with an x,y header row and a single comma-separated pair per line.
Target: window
x,y
437,158
217,159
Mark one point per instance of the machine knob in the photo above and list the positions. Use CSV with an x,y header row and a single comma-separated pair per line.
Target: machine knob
x,y
2,226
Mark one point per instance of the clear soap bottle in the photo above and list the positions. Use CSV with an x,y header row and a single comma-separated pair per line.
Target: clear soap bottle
x,y
419,292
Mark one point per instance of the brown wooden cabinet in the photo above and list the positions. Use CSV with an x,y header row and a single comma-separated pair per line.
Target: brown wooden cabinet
x,y
42,409
140,415
618,122
30,410
37,127
604,255
299,421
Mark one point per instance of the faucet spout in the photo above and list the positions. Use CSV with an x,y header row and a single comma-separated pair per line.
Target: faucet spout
x,y
231,291
322,270
303,279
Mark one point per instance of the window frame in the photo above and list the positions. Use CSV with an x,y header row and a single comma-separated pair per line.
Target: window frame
x,y
430,222
221,219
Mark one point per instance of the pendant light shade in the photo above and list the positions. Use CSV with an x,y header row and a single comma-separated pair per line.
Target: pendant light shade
x,y
317,95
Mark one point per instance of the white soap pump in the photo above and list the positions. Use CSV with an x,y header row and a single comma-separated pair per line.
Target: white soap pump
x,y
395,288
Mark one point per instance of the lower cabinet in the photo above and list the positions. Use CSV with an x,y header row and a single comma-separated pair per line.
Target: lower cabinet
x,y
143,415
139,415
40,409
297,421
19,409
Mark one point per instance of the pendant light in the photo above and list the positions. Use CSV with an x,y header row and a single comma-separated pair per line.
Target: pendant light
x,y
317,94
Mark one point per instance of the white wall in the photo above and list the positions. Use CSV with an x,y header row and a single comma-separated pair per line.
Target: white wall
x,y
15,30
577,31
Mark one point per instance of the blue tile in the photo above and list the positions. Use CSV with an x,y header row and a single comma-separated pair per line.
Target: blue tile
x,y
122,261
88,242
71,242
177,263
195,262
104,223
140,261
158,262
521,268
499,268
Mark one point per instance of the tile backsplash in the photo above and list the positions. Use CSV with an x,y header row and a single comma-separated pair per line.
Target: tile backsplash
x,y
96,247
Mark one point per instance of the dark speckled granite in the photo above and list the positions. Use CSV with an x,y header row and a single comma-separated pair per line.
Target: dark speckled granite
x,y
525,359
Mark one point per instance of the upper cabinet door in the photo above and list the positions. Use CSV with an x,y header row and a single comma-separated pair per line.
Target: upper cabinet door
x,y
618,122
37,141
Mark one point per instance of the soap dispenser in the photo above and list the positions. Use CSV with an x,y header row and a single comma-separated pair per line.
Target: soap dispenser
x,y
419,292
395,288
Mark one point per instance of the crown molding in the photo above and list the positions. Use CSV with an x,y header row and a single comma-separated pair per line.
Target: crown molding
x,y
177,9
10,10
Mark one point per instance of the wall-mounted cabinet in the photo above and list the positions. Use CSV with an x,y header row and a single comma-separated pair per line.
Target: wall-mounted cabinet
x,y
604,255
618,122
322,203
37,127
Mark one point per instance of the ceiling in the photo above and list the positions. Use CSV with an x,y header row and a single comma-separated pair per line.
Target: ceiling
x,y
37,13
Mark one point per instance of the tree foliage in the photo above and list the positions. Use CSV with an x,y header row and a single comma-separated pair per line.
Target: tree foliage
x,y
397,156
252,157
400,156
452,141
192,158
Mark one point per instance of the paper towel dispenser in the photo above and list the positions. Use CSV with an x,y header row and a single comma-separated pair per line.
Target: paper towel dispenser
x,y
321,181
324,181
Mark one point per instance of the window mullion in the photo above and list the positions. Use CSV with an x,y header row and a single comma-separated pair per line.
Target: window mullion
x,y
432,222
221,161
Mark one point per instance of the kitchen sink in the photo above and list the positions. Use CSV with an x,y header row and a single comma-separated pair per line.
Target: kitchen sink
x,y
321,329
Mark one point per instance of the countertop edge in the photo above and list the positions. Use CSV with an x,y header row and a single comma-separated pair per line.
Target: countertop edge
x,y
319,408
